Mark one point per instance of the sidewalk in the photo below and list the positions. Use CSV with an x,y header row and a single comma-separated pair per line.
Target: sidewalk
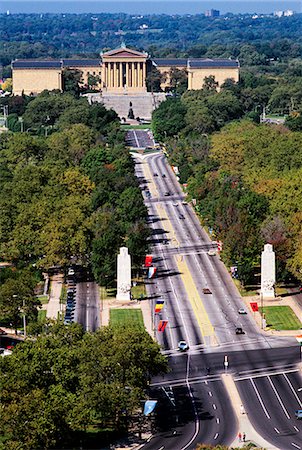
x,y
53,306
244,424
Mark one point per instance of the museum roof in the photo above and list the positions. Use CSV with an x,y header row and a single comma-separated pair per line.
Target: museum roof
x,y
200,63
81,62
35,64
170,62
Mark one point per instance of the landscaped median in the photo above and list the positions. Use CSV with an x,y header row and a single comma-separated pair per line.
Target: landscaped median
x,y
126,316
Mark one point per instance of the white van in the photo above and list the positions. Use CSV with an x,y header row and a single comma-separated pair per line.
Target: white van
x,y
298,414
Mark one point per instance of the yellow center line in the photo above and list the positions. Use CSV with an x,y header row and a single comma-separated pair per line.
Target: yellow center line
x,y
149,178
206,328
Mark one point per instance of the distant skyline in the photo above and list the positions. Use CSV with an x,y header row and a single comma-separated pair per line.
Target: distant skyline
x,y
145,7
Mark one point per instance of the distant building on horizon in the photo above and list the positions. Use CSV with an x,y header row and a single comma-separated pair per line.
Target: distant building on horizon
x,y
286,13
212,13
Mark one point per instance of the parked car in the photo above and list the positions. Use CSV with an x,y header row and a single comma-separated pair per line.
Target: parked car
x,y
212,252
242,311
163,175
167,194
181,216
155,174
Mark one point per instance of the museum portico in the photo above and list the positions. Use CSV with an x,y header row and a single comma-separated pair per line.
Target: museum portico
x,y
123,70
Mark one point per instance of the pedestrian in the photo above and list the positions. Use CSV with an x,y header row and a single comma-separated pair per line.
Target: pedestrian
x,y
243,437
239,437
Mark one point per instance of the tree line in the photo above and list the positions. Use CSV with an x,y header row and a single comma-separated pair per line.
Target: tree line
x,y
68,191
70,389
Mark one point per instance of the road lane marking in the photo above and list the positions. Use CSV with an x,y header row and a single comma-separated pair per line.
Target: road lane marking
x,y
217,420
214,406
279,398
295,445
210,394
265,374
259,398
201,315
216,436
161,448
297,429
277,431
293,390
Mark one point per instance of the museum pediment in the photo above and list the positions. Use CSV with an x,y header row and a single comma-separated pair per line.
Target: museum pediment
x,y
124,52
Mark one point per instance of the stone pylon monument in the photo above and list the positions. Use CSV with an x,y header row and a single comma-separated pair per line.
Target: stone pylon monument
x,y
268,272
123,275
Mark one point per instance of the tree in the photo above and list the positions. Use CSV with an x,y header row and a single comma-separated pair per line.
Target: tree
x,y
168,118
72,80
209,84
66,381
178,80
154,79
17,298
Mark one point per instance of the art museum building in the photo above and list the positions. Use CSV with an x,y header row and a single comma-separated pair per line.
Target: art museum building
x,y
120,71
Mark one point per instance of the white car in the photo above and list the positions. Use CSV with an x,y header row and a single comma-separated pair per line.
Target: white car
x,y
242,311
212,252
182,346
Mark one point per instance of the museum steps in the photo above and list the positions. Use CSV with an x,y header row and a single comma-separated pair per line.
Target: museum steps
x,y
142,104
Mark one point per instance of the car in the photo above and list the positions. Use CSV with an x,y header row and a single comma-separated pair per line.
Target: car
x,y
242,311
298,414
184,202
155,174
165,241
239,330
207,291
212,252
163,175
181,216
67,321
71,272
182,346
175,204
167,194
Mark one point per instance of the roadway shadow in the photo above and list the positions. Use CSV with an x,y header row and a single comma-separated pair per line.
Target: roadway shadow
x,y
167,273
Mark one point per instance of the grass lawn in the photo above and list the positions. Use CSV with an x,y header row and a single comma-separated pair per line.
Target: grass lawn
x,y
244,291
281,318
43,299
136,127
41,315
139,290
127,316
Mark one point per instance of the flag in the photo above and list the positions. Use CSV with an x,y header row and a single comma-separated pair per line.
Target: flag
x,y
149,406
148,260
254,306
151,272
159,305
162,325
299,339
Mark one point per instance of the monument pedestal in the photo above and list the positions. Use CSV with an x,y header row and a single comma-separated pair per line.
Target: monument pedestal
x,y
123,275
268,273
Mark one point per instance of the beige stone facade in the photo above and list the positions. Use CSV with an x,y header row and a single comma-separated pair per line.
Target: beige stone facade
x,y
120,71
196,76
32,81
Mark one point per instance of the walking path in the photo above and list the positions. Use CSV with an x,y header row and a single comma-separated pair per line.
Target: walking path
x,y
53,306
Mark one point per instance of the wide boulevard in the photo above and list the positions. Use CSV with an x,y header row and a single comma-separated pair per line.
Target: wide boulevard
x,y
193,403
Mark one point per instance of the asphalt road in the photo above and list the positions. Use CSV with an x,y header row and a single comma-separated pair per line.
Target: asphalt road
x,y
87,309
264,367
